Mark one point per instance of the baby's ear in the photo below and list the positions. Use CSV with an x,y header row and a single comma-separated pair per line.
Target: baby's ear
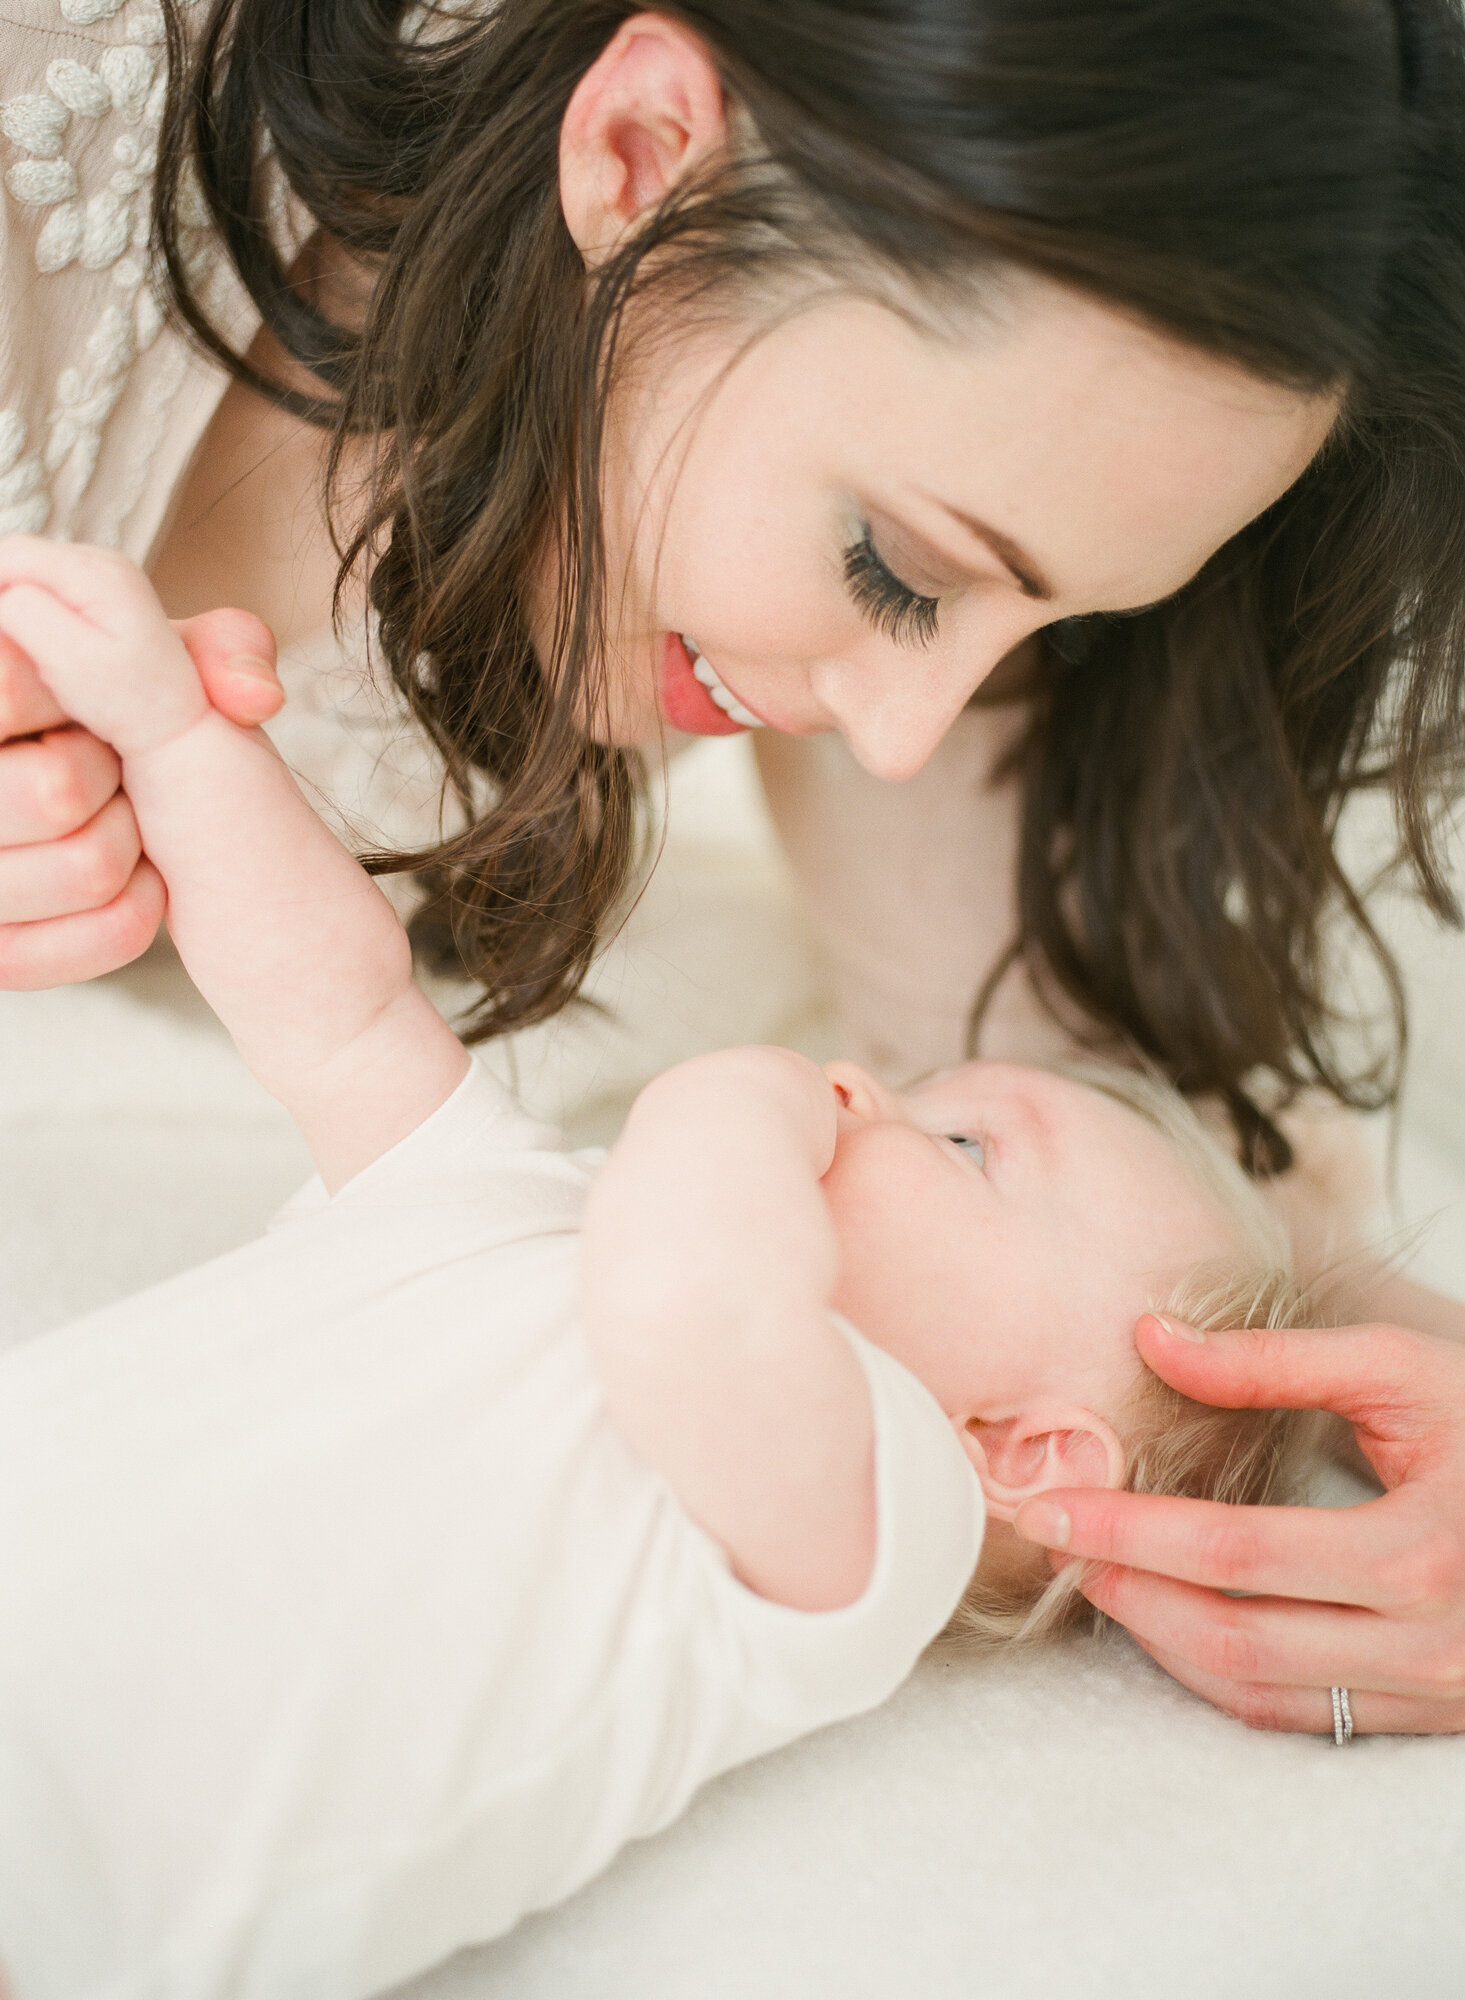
x,y
1049,1445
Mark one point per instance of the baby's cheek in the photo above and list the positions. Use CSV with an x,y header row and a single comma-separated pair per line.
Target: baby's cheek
x,y
884,1232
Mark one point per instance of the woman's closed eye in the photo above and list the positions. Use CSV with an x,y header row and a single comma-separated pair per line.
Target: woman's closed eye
x,y
890,605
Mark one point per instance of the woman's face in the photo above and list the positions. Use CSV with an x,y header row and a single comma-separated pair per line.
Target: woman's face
x,y
853,521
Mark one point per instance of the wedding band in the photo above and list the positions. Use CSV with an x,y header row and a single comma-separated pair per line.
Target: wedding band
x,y
1342,1717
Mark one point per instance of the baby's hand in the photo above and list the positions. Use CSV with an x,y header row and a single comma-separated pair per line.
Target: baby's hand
x,y
92,624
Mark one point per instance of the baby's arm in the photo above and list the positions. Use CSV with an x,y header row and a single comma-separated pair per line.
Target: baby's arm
x,y
709,1263
284,933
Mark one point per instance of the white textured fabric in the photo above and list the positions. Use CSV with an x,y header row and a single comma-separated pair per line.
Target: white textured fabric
x,y
341,1628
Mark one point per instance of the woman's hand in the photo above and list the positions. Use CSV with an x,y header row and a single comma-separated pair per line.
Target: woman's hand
x,y
77,897
1371,1598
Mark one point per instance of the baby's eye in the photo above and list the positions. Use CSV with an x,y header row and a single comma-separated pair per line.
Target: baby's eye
x,y
972,1147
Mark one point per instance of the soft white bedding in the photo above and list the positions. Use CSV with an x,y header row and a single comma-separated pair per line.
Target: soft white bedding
x,y
1073,1825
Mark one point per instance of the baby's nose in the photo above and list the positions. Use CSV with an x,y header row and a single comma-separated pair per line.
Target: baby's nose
x,y
861,1095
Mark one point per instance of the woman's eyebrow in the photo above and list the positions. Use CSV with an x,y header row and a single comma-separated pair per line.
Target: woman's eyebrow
x,y
1027,571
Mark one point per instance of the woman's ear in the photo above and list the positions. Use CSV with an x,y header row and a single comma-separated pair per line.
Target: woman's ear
x,y
1052,1445
648,110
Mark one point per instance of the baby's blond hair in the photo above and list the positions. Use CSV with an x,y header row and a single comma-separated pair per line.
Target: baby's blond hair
x,y
1173,1444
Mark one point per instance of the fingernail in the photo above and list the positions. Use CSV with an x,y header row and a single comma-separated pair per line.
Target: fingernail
x,y
1043,1521
250,667
1178,1330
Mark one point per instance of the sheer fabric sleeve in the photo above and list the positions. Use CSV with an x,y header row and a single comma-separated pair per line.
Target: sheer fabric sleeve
x,y
101,403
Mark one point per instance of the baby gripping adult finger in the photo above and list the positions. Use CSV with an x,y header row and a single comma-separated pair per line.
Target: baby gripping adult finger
x,y
117,667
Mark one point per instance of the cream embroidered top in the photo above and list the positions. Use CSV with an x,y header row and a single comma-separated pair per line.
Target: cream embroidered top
x,y
102,404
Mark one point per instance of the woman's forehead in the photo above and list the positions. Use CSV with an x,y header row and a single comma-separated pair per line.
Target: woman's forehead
x,y
1115,456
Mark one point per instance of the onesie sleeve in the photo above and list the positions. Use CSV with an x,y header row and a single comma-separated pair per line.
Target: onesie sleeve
x,y
481,1123
798,1670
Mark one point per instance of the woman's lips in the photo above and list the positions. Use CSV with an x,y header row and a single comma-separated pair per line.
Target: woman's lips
x,y
685,702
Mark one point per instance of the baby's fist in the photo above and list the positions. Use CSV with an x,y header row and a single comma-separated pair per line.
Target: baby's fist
x,y
92,624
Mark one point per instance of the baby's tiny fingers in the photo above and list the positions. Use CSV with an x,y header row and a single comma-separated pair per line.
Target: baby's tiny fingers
x,y
26,704
93,582
50,632
131,683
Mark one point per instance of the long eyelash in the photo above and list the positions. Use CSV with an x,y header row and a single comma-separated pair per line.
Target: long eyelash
x,y
892,606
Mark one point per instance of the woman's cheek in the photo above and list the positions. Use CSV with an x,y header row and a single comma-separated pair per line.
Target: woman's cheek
x,y
754,590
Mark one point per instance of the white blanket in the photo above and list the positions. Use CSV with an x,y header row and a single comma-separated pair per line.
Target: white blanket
x,y
1070,1825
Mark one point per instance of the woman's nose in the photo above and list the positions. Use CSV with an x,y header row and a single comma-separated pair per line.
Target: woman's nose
x,y
894,754
893,716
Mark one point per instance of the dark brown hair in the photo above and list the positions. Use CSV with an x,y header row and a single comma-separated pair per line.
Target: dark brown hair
x,y
1274,181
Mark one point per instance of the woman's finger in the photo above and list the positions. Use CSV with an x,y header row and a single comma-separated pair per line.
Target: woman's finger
x,y
52,784
234,653
1273,1642
84,871
1363,1555
26,705
1309,1711
64,949
1389,1381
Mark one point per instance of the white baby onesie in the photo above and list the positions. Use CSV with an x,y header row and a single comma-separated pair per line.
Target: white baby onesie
x,y
338,1628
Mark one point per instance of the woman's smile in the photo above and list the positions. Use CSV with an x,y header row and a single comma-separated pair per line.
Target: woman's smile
x,y
694,697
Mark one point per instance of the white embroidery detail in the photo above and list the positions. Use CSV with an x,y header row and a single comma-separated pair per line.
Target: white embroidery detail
x,y
60,237
128,72
146,26
103,228
84,13
80,89
24,506
38,183
35,121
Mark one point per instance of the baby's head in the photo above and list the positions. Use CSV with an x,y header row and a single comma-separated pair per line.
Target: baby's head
x,y
1001,1231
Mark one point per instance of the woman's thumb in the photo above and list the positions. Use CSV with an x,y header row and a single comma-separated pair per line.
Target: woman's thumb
x,y
234,653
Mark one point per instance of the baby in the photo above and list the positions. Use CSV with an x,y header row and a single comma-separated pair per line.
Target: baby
x,y
372,1585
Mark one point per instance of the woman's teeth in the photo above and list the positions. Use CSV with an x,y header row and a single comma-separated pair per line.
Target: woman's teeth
x,y
727,702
